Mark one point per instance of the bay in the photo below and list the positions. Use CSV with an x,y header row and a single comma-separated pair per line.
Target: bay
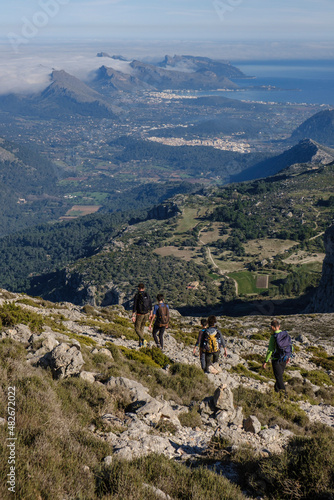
x,y
310,82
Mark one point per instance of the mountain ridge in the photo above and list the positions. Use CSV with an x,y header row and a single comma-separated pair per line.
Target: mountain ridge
x,y
306,151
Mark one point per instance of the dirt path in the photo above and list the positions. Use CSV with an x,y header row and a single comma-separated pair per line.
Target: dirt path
x,y
222,273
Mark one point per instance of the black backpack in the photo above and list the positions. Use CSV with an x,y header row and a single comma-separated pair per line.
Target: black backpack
x,y
143,303
284,347
162,315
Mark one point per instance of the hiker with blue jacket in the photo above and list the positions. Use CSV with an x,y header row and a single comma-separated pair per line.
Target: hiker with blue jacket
x,y
280,352
211,343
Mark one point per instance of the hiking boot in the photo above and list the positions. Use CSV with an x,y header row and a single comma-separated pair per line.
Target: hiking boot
x,y
145,343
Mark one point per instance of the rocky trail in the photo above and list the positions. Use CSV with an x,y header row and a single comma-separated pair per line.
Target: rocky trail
x,y
136,432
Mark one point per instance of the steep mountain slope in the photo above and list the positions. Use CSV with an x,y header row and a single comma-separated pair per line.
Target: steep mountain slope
x,y
114,420
28,187
323,299
304,152
110,80
320,128
67,94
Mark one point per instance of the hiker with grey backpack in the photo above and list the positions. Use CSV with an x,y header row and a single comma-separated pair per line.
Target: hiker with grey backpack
x,y
160,318
280,351
211,343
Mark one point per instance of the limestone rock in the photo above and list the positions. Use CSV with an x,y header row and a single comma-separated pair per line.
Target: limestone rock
x,y
107,460
65,361
102,350
87,376
223,398
20,333
252,424
137,390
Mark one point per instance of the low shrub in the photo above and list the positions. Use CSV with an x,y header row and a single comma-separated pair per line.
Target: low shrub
x,y
325,363
139,356
125,480
165,426
191,418
305,470
245,372
158,357
270,408
317,377
317,351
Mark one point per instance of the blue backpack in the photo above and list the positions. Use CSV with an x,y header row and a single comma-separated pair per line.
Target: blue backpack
x,y
284,347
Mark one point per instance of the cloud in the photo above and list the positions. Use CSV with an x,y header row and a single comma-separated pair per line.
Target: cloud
x,y
31,73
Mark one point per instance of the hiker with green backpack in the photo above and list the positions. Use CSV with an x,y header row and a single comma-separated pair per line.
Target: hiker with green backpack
x,y
211,343
160,318
280,351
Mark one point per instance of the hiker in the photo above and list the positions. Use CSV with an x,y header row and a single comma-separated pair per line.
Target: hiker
x,y
280,352
160,318
142,305
211,343
204,323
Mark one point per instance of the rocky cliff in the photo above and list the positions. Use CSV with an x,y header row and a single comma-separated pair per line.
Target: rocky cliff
x,y
323,300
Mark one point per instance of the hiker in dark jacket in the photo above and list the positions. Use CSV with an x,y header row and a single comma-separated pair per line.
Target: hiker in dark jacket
x,y
204,323
142,305
272,353
160,318
211,343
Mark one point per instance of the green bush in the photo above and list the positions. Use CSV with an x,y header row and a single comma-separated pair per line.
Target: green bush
x,y
158,357
124,481
270,408
317,351
139,356
11,315
317,377
325,363
244,372
166,426
305,470
191,418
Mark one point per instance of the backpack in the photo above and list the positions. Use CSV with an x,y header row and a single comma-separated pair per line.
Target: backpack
x,y
211,341
143,303
162,315
284,346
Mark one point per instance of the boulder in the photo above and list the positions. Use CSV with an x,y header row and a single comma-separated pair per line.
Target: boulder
x,y
102,350
252,424
137,390
87,376
20,333
223,398
65,361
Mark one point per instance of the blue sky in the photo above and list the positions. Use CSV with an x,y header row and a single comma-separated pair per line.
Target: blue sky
x,y
170,19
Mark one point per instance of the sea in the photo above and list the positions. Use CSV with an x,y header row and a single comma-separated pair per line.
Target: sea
x,y
310,82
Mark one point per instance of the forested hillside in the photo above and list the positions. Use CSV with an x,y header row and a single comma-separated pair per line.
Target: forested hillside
x,y
243,241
